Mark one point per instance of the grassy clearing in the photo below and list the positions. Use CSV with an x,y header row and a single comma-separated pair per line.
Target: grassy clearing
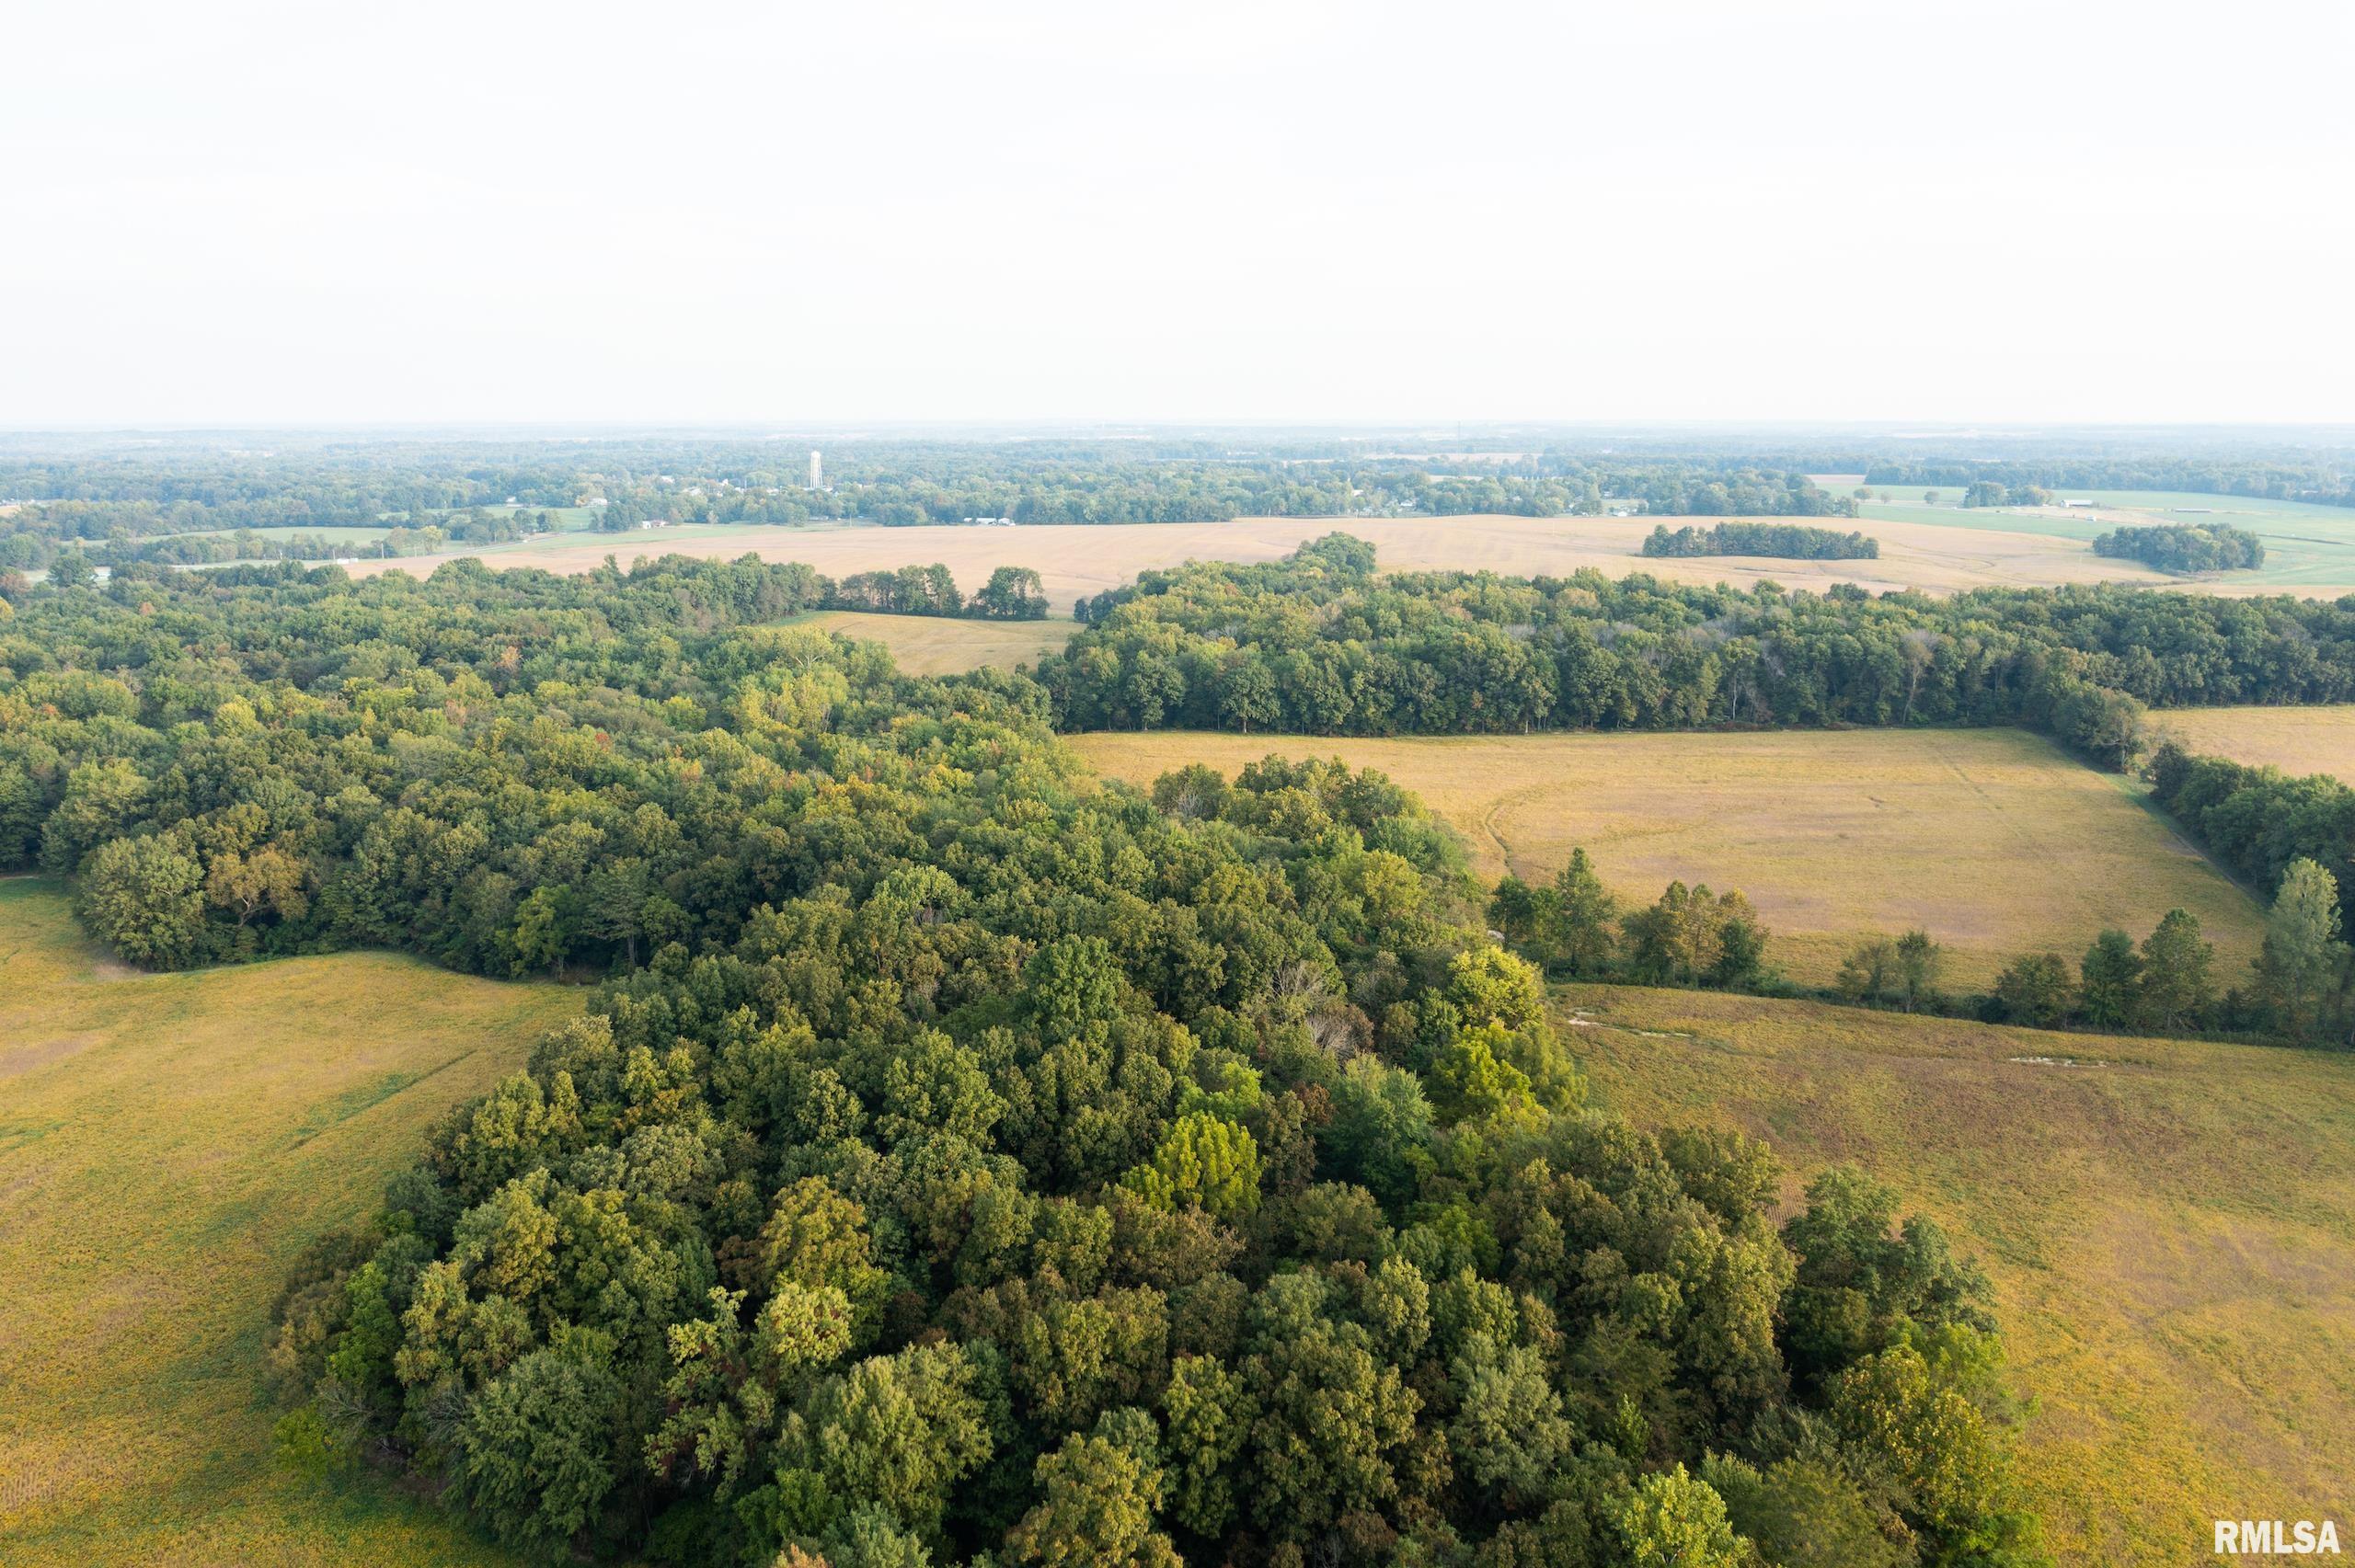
x,y
2170,1227
167,1144
941,645
1992,840
2296,740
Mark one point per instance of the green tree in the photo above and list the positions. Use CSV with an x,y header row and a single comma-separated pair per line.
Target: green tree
x,y
1204,1161
144,897
1578,928
1862,1278
1680,940
1870,971
2035,990
1097,1503
1920,961
1509,1433
1211,1412
1899,1419
72,570
1013,593
2177,990
900,1432
2110,978
1672,1520
1805,1513
1335,1423
1512,909
2300,967
536,1454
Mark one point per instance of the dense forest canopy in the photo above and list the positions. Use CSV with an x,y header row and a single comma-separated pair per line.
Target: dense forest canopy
x,y
1319,643
968,1161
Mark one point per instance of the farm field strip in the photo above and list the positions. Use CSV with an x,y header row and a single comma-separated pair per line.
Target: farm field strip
x,y
946,645
2169,1226
2297,741
1992,840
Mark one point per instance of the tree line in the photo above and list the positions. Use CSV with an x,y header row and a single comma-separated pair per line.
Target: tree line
x,y
2183,546
1318,643
2285,474
1779,539
117,498
2300,987
963,1161
1013,593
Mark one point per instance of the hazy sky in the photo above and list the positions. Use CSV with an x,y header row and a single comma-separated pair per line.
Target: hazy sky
x,y
323,212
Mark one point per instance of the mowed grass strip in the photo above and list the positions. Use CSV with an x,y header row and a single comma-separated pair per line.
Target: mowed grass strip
x,y
1994,841
2169,1226
168,1143
944,644
2296,740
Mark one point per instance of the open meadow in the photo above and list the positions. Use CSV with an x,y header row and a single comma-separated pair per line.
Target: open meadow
x,y
2309,549
2169,1226
1992,840
1076,560
2296,740
169,1144
946,645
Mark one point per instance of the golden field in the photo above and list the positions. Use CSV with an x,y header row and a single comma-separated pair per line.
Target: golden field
x,y
168,1143
2169,1226
1994,841
944,644
1076,560
2296,740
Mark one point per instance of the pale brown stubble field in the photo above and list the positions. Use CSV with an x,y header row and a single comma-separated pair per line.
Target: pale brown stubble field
x,y
1078,560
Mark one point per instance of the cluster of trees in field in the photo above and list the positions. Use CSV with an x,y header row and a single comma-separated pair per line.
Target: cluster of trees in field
x,y
966,1163
1786,540
2302,990
1317,643
2185,546
1013,593
1576,927
2298,989
2168,986
1988,493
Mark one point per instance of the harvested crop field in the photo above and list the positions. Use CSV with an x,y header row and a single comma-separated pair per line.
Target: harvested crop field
x,y
942,644
1992,840
2169,1226
1081,560
2296,740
